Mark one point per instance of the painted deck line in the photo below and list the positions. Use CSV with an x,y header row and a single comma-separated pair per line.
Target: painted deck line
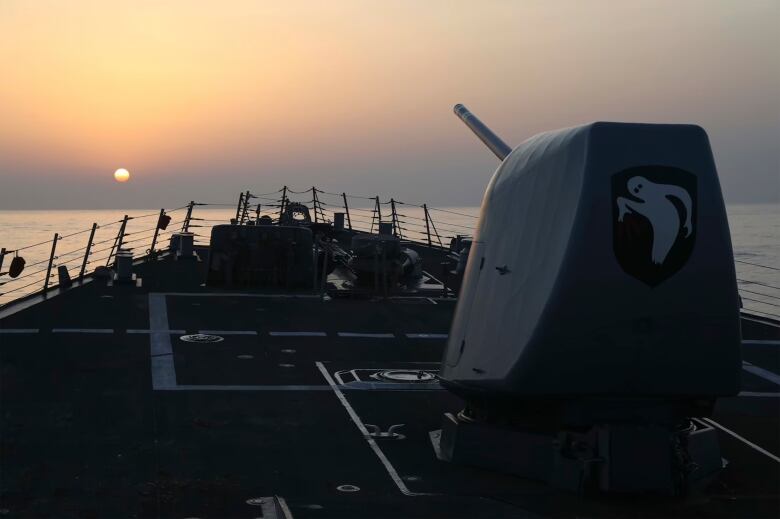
x,y
241,294
163,368
742,439
371,442
760,342
285,509
298,334
228,332
427,335
205,387
759,394
82,330
19,330
175,332
761,372
367,335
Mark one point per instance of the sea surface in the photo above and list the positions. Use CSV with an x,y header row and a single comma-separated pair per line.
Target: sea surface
x,y
755,234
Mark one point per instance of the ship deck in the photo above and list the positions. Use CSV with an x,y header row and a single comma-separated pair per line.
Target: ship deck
x,y
105,412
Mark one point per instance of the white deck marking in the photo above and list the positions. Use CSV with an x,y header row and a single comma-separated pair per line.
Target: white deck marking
x,y
228,332
205,387
163,368
761,372
760,342
367,335
285,509
759,394
82,330
19,330
371,442
427,335
297,334
174,332
240,294
743,440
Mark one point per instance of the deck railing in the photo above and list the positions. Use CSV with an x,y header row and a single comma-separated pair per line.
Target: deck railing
x,y
82,251
79,253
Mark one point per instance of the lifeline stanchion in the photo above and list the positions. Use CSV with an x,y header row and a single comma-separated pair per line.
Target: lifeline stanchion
x,y
51,261
87,251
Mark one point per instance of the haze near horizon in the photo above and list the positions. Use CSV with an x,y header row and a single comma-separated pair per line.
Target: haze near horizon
x,y
200,100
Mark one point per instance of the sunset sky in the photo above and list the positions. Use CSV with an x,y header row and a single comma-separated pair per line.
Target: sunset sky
x,y
200,100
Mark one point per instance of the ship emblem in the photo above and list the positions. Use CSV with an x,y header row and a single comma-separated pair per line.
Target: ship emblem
x,y
654,221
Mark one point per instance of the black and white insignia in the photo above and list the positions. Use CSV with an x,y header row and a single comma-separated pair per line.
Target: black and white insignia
x,y
654,221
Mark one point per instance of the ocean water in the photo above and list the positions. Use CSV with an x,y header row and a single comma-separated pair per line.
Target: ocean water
x,y
755,234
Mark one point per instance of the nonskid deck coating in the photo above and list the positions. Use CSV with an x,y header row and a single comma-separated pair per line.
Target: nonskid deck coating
x,y
83,434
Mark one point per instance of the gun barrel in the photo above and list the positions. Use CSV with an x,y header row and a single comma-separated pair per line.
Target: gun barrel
x,y
485,134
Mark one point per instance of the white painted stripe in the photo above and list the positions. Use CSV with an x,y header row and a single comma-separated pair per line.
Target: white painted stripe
x,y
742,439
228,332
367,335
761,372
206,387
432,300
232,294
759,394
427,335
760,342
175,332
285,509
371,442
297,334
82,330
163,367
19,330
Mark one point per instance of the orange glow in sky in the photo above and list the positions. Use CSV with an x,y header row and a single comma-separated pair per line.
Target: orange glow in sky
x,y
340,92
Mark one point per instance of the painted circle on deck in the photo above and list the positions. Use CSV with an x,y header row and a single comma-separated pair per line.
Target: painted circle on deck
x,y
406,375
201,337
348,488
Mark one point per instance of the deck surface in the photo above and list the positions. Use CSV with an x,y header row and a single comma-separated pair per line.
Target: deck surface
x,y
105,412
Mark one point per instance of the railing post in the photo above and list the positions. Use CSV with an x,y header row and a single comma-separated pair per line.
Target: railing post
x,y
2,257
51,261
281,206
185,227
245,212
87,251
156,233
396,223
435,232
427,225
377,214
120,236
240,203
346,210
314,203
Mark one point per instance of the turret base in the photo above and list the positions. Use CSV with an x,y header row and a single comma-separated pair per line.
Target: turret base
x,y
619,458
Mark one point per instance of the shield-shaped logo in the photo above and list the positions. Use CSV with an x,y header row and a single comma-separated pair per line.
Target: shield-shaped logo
x,y
654,220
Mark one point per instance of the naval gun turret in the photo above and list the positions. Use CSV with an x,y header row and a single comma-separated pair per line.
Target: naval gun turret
x,y
598,319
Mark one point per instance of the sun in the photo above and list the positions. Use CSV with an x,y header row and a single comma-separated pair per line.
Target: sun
x,y
121,175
